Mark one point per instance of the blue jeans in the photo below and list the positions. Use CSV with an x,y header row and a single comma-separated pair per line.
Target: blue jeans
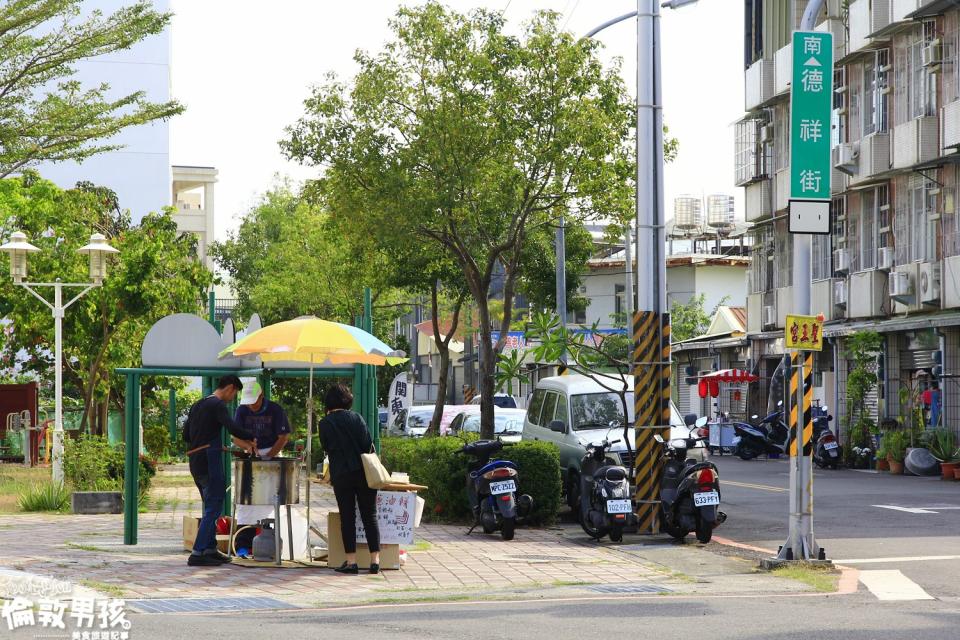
x,y
207,469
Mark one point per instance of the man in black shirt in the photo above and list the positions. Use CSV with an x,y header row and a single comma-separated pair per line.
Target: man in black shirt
x,y
205,451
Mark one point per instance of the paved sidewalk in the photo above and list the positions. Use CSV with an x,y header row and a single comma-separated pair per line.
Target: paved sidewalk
x,y
89,551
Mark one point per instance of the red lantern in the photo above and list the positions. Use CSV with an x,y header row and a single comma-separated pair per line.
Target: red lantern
x,y
714,388
703,388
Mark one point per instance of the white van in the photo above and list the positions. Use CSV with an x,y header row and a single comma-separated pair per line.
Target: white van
x,y
585,408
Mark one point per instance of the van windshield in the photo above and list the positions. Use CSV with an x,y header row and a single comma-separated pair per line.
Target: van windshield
x,y
598,410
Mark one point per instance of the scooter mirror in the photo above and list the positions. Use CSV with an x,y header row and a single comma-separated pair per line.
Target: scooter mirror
x,y
754,417
825,409
780,403
701,422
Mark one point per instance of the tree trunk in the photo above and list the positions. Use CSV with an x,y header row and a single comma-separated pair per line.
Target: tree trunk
x,y
486,370
443,347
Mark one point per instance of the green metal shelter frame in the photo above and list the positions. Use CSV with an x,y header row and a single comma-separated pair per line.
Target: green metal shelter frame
x,y
364,402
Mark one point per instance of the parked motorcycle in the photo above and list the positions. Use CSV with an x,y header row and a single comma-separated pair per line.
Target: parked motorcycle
x,y
827,452
605,504
492,489
689,491
771,436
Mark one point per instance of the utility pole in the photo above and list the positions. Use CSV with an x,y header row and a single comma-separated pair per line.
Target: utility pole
x,y
801,543
562,277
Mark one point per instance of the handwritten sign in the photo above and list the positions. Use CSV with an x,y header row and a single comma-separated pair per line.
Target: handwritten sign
x,y
395,515
804,333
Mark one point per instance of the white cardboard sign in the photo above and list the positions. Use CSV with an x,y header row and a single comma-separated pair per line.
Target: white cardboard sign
x,y
395,517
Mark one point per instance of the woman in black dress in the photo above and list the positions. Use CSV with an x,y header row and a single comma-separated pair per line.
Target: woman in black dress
x,y
344,436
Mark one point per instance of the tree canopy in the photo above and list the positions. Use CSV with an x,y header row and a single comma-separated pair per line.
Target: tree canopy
x,y
473,141
156,273
44,114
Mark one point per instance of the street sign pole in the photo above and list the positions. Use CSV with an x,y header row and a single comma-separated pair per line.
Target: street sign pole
x,y
809,213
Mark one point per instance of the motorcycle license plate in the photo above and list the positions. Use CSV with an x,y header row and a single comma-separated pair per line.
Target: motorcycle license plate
x,y
829,445
507,486
619,506
706,499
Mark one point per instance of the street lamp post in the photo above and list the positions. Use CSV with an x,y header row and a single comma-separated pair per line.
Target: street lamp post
x,y
18,247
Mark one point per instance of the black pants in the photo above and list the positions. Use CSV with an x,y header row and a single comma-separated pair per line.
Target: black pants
x,y
351,491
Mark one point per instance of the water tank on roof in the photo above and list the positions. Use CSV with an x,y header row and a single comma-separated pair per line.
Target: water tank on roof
x,y
686,212
720,210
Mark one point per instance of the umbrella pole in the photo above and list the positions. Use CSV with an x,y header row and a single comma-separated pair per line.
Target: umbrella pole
x,y
309,456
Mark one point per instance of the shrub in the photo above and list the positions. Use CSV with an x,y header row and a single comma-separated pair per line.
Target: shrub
x,y
435,462
47,496
88,464
91,464
539,464
896,445
157,440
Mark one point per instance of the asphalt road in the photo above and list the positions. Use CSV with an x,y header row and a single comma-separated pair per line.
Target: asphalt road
x,y
855,617
864,520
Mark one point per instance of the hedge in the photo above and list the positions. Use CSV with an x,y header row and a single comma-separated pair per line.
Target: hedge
x,y
434,461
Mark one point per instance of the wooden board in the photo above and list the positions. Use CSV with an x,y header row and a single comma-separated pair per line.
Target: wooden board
x,y
393,486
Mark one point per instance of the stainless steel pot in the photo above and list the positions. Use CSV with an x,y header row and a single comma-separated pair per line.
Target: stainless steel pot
x,y
257,482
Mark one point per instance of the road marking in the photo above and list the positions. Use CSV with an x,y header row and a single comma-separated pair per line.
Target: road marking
x,y
892,585
895,559
904,509
761,487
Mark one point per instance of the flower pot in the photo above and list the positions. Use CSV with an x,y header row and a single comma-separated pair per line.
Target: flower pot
x,y
956,473
947,470
883,464
896,468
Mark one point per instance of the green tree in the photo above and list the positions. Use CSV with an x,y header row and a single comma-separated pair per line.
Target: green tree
x,y
472,140
44,114
157,273
691,320
861,349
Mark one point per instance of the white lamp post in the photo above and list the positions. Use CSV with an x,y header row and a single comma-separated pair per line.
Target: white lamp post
x,y
98,249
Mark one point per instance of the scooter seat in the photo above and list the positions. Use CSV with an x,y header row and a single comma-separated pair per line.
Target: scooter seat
x,y
610,473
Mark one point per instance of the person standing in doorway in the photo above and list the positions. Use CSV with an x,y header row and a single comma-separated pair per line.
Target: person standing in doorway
x,y
202,431
931,399
344,436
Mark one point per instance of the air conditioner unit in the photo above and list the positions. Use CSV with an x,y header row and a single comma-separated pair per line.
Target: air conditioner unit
x,y
929,284
766,133
885,257
840,293
846,159
932,54
898,286
769,316
841,261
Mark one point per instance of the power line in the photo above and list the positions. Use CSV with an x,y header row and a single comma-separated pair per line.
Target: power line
x,y
573,11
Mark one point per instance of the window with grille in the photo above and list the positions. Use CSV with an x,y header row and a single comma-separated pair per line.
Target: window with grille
x,y
749,154
781,137
761,266
838,127
875,93
922,229
821,266
921,84
783,248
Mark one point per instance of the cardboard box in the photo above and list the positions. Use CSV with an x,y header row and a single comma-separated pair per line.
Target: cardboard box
x,y
336,556
190,526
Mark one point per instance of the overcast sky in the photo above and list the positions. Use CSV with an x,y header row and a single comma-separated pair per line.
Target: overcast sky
x,y
243,68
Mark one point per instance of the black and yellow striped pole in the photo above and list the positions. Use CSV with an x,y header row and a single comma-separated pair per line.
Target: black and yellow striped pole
x,y
798,399
651,357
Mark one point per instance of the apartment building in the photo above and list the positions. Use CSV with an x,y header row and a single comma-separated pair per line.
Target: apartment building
x,y
892,261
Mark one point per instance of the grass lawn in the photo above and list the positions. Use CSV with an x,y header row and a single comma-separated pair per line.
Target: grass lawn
x,y
14,478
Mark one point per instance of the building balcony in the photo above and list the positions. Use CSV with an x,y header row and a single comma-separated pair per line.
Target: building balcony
x,y
759,201
873,158
866,17
915,141
783,70
866,294
950,126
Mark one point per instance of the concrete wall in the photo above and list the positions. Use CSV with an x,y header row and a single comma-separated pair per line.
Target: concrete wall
x,y
140,172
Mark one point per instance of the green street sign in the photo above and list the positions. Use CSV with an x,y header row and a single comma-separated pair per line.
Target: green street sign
x,y
811,98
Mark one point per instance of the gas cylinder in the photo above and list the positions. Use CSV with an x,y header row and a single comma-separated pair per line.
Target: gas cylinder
x,y
265,543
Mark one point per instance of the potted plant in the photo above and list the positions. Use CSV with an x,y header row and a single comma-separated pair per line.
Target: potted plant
x,y
882,463
896,451
942,444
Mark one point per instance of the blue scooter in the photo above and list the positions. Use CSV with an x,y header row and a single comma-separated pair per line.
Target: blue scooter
x,y
492,490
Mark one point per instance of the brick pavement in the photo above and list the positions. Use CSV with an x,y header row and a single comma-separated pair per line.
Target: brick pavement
x,y
88,550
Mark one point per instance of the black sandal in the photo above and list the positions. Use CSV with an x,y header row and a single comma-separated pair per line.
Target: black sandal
x,y
350,569
374,567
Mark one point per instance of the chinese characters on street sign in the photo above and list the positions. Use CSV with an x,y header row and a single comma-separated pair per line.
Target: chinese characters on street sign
x,y
804,333
811,101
